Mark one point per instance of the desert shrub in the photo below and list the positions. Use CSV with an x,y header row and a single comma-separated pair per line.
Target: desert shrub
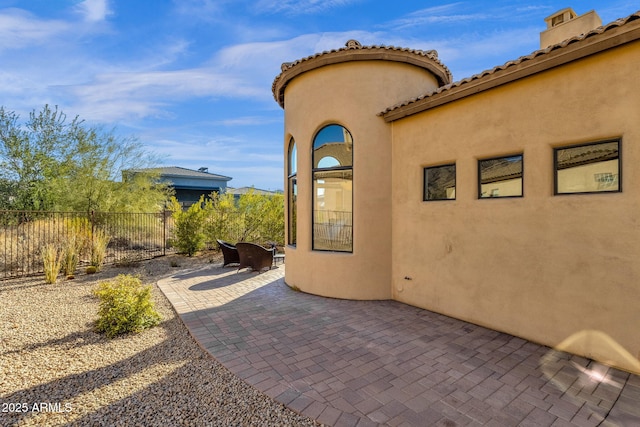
x,y
78,231
52,263
69,255
125,306
188,227
91,269
99,248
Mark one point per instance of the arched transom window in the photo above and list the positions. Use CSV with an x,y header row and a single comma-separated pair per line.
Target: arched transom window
x,y
333,189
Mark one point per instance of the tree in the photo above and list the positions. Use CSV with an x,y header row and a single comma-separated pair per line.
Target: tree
x,y
252,217
263,216
24,165
223,221
50,163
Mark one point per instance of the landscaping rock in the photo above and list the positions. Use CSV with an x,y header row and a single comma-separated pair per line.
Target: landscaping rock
x,y
55,370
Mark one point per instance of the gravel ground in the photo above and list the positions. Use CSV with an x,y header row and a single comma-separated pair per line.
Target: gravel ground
x,y
55,370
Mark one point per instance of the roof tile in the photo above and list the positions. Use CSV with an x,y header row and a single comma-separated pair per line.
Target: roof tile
x,y
602,29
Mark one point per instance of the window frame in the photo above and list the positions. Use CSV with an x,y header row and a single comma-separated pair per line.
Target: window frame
x,y
314,173
508,156
425,182
556,181
292,204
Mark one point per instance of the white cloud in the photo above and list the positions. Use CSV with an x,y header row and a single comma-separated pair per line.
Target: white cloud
x,y
94,10
301,7
117,96
239,71
20,29
532,8
247,121
140,88
267,57
444,14
232,147
201,9
472,53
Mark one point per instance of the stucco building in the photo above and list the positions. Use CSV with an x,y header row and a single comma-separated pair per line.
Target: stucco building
x,y
498,199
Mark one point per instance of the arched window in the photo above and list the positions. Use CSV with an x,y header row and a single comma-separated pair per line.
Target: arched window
x,y
333,189
292,195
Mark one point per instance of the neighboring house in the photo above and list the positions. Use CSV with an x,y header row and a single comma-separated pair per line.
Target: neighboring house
x,y
497,199
190,184
237,192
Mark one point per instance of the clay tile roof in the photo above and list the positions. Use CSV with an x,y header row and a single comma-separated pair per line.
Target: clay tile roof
x,y
577,156
522,60
353,51
502,170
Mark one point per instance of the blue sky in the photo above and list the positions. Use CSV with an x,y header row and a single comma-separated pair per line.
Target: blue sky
x,y
191,79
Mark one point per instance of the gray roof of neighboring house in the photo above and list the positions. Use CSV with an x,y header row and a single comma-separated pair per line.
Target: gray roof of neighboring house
x,y
245,190
180,172
605,37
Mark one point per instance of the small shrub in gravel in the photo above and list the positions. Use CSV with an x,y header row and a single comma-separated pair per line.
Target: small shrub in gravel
x,y
125,306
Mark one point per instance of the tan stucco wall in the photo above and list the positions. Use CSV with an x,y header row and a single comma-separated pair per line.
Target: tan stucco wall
x,y
349,94
552,269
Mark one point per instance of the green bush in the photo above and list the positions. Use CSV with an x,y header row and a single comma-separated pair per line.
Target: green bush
x,y
189,235
125,306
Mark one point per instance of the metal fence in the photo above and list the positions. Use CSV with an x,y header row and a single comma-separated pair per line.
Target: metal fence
x,y
131,237
333,230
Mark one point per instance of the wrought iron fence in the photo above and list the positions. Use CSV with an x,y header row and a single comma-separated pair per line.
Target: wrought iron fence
x,y
333,230
131,237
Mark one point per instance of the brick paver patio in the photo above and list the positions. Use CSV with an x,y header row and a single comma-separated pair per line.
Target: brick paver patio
x,y
361,363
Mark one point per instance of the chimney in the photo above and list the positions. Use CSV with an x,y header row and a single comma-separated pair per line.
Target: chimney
x,y
565,24
203,169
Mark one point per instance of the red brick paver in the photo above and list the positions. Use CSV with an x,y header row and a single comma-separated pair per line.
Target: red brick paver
x,y
360,363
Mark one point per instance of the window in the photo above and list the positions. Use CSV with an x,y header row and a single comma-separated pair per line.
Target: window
x,y
589,168
440,183
500,177
333,189
292,195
